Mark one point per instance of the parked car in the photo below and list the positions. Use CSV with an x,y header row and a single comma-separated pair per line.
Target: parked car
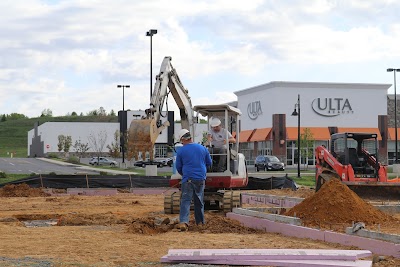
x,y
102,161
269,163
141,163
165,161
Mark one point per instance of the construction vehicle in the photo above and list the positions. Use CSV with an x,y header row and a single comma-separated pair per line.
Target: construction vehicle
x,y
353,159
143,133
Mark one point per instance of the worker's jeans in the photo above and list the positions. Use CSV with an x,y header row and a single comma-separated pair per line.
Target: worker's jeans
x,y
192,189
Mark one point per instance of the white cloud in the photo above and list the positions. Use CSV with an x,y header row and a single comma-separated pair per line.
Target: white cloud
x,y
70,55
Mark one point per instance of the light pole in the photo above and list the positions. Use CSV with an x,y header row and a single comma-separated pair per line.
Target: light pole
x,y
296,112
395,111
151,33
123,94
122,138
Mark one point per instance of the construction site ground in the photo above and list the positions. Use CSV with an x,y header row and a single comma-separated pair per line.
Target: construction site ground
x,y
127,230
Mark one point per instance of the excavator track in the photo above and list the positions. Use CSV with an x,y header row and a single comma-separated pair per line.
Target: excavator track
x,y
232,199
172,203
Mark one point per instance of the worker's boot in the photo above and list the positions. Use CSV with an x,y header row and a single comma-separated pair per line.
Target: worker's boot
x,y
183,227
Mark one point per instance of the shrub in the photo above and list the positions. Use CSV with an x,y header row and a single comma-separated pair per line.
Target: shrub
x,y
52,173
73,159
53,155
103,173
3,175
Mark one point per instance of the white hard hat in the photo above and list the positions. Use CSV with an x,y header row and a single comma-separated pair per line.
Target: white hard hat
x,y
184,133
215,122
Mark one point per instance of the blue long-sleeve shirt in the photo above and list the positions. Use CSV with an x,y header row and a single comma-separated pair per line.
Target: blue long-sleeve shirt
x,y
192,160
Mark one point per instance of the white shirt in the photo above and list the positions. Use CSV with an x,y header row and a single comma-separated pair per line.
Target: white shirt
x,y
219,137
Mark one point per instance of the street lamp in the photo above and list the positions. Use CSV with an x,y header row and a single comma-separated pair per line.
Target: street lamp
x,y
395,111
296,112
123,94
151,33
122,139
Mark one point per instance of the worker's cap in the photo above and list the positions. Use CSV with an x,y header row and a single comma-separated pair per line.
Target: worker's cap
x,y
214,122
184,134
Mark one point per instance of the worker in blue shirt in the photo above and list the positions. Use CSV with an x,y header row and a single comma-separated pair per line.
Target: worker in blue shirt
x,y
192,161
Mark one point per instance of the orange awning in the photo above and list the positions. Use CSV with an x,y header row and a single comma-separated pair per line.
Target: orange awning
x,y
260,134
245,136
361,130
392,134
318,133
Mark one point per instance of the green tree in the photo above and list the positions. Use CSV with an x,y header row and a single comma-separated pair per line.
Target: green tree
x,y
204,138
47,113
67,143
16,116
74,113
80,148
307,145
112,113
102,112
61,141
3,118
92,113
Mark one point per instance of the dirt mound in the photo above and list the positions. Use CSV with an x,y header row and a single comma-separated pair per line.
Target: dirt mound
x,y
21,190
220,224
335,203
215,223
149,226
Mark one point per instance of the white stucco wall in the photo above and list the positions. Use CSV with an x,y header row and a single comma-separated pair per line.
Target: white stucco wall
x,y
50,131
359,104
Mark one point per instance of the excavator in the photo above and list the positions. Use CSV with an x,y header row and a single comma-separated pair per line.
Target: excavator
x,y
143,133
353,159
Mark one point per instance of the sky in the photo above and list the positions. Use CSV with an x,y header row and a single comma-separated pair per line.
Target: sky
x,y
69,56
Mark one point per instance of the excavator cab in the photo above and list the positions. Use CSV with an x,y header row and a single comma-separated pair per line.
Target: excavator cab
x,y
225,159
358,150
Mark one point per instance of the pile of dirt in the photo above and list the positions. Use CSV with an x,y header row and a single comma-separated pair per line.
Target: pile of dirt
x,y
215,224
21,190
335,203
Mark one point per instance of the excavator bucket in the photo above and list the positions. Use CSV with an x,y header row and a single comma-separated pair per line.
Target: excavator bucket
x,y
371,191
141,138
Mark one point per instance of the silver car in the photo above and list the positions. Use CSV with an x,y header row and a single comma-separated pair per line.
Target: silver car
x,y
102,161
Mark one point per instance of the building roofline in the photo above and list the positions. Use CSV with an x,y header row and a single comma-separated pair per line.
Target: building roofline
x,y
277,84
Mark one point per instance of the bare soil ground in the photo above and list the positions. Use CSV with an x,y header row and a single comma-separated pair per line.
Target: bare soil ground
x,y
120,230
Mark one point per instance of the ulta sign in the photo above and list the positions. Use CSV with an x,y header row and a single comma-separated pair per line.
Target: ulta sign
x,y
330,107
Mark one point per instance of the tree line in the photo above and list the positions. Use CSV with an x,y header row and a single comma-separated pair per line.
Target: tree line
x,y
49,113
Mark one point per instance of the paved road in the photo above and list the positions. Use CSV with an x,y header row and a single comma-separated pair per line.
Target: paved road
x,y
33,165
44,165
